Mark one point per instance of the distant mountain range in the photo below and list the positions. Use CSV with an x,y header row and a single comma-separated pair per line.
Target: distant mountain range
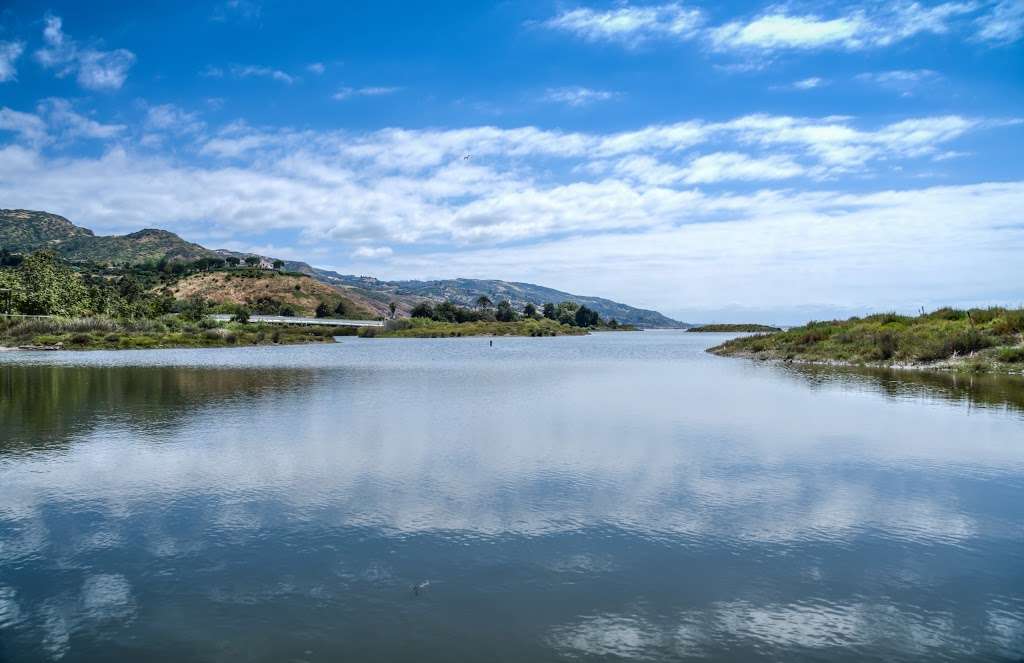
x,y
24,231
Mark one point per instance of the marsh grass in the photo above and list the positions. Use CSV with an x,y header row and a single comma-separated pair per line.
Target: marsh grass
x,y
973,339
168,331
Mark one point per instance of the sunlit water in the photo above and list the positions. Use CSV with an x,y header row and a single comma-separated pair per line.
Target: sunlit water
x,y
618,496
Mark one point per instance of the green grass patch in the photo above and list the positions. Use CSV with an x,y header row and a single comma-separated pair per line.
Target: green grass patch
x,y
974,340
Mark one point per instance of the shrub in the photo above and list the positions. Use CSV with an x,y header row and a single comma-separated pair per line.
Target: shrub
x,y
1011,355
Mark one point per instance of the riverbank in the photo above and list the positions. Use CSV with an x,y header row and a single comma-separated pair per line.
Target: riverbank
x,y
734,328
172,331
978,340
166,332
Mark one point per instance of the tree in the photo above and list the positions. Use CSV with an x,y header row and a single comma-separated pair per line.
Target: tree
x,y
322,311
252,261
232,261
549,311
422,310
484,302
341,310
195,308
530,310
586,317
48,287
392,306
241,315
279,264
505,312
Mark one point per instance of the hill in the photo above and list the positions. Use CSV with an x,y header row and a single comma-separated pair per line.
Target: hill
x,y
268,292
465,292
25,231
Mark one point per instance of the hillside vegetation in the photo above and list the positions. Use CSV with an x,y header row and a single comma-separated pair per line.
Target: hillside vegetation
x,y
976,339
269,293
25,231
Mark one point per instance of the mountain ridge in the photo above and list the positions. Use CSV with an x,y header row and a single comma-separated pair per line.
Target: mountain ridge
x,y
27,231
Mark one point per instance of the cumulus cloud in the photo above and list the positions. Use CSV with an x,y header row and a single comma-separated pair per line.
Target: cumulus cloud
x,y
629,25
576,95
94,69
10,51
633,198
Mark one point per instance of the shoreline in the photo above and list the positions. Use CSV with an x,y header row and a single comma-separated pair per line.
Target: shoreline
x,y
961,365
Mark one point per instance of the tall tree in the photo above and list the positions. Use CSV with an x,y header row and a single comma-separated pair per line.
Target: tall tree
x,y
49,288
505,312
483,301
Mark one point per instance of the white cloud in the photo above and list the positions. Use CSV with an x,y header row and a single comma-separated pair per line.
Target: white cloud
x,y
29,127
94,69
10,51
629,25
867,26
316,68
809,83
1004,24
904,81
349,92
639,199
63,118
722,166
782,31
372,252
576,95
251,71
172,119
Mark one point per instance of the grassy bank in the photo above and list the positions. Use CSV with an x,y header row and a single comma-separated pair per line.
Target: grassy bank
x,y
734,328
166,332
427,328
976,340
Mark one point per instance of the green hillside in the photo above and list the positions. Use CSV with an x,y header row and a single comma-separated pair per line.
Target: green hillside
x,y
24,231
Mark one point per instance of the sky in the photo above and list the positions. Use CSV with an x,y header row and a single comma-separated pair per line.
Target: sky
x,y
726,161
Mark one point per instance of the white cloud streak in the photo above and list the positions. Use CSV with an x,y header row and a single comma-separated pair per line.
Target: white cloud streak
x,y
10,51
779,28
576,96
349,92
629,25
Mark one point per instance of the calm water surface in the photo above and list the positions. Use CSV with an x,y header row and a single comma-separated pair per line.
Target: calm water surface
x,y
619,496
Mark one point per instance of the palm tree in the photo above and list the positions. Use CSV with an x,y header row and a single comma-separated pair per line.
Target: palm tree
x,y
483,301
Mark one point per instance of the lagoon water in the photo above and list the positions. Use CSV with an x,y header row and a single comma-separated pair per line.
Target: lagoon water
x,y
611,497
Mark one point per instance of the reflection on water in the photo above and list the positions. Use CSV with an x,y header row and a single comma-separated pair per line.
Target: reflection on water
x,y
983,390
611,497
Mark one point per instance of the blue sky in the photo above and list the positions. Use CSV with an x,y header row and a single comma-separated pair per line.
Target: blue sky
x,y
713,161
